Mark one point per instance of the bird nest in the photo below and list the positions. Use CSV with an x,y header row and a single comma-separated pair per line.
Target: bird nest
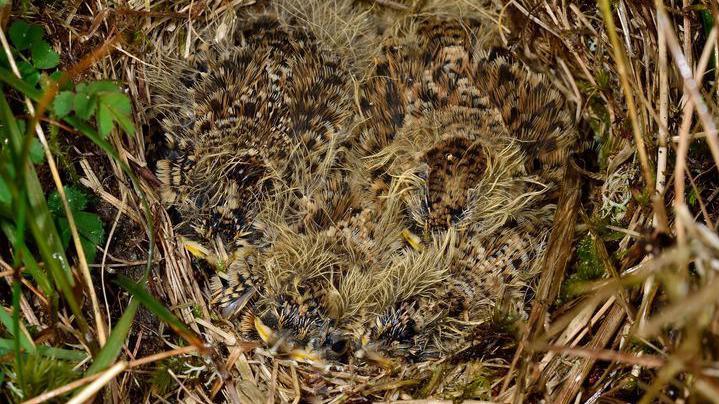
x,y
552,330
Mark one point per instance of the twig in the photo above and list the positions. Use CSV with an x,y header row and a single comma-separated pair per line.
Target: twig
x,y
162,355
63,389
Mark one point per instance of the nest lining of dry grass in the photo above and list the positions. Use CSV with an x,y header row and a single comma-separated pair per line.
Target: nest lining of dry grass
x,y
641,331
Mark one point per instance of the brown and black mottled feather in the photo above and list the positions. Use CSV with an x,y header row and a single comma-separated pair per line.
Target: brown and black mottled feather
x,y
475,141
250,111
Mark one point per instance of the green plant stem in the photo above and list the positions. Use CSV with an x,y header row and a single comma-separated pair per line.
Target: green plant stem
x,y
113,345
41,225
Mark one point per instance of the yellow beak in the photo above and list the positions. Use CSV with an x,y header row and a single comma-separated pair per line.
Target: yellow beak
x,y
302,355
371,355
265,332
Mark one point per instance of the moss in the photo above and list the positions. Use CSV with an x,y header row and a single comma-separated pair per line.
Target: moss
x,y
37,374
588,267
479,388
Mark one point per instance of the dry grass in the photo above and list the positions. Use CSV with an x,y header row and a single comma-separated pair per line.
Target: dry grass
x,y
637,73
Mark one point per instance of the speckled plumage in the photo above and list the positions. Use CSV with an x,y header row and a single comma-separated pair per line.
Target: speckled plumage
x,y
380,223
242,110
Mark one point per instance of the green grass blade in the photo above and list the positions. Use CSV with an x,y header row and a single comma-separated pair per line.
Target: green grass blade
x,y
31,265
7,345
41,226
140,293
5,211
115,341
23,339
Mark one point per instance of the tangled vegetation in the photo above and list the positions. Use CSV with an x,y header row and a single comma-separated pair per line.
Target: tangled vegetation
x,y
101,300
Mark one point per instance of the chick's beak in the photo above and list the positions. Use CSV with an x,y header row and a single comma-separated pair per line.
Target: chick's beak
x,y
309,356
369,354
273,339
196,249
265,332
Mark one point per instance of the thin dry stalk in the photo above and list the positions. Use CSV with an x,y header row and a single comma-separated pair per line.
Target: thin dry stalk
x,y
105,377
576,377
104,258
663,113
623,71
684,136
691,85
555,263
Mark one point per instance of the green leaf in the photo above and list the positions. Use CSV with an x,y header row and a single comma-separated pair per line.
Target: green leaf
x,y
37,153
63,230
43,56
8,77
117,101
104,120
57,75
119,106
85,104
28,73
62,104
102,86
92,233
90,249
24,35
89,225
76,199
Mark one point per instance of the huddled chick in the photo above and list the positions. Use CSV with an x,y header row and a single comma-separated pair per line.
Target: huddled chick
x,y
374,220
